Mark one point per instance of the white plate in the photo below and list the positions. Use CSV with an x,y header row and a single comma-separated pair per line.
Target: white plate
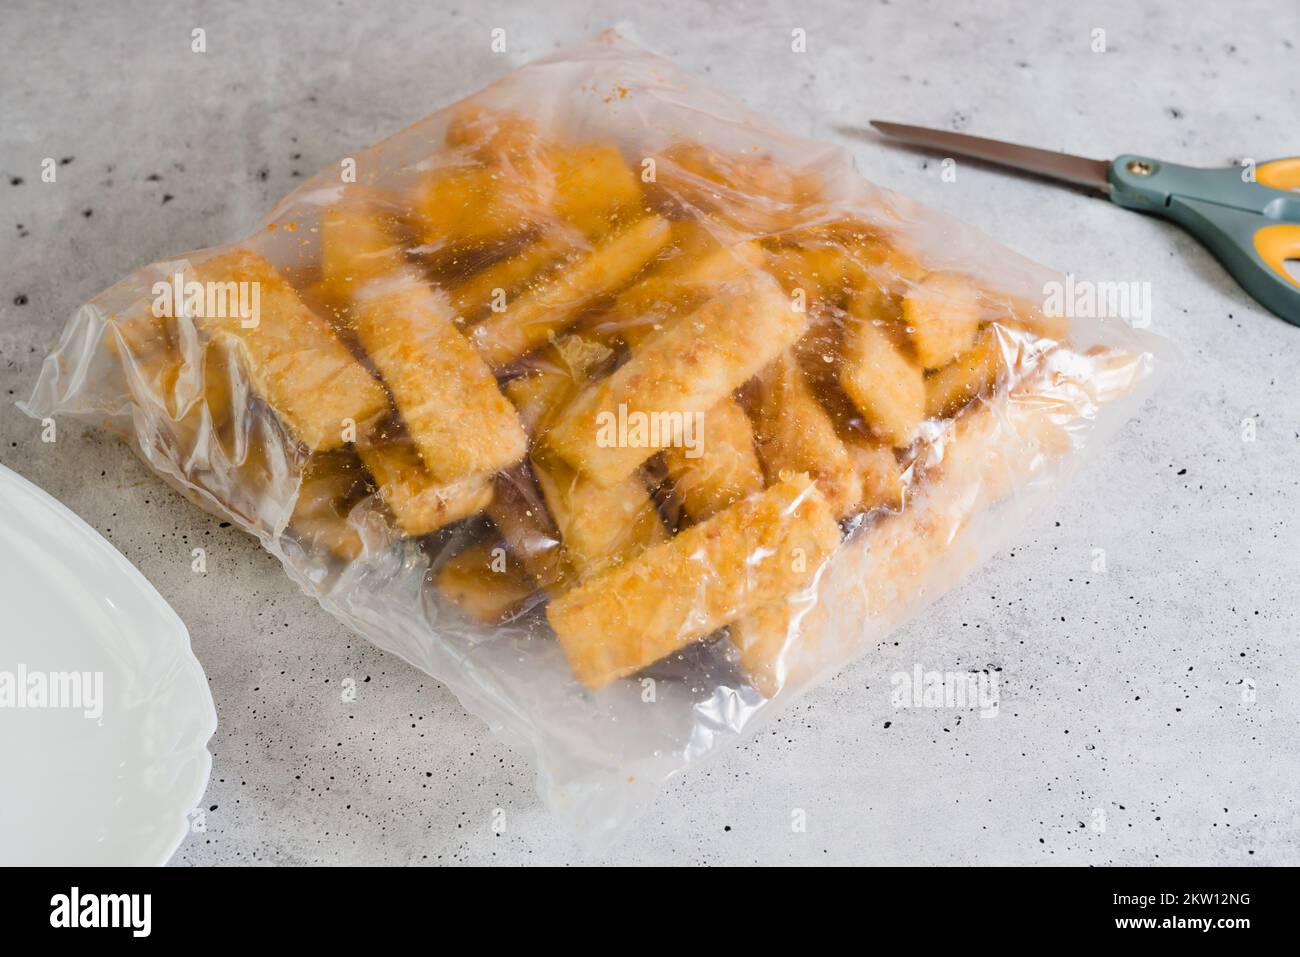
x,y
115,787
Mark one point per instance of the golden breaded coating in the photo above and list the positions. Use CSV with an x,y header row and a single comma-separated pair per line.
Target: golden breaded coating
x,y
588,186
474,296
969,375
679,285
360,240
795,434
784,637
754,193
688,587
485,581
292,358
541,312
883,383
723,468
534,396
600,526
882,478
559,373
726,468
458,419
824,273
419,503
594,187
678,373
762,637
593,190
906,559
474,204
856,474
616,388
942,315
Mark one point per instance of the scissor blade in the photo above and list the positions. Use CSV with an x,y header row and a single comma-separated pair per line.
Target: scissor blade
x,y
1077,170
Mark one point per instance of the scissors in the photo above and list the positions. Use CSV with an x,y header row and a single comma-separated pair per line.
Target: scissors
x,y
1250,223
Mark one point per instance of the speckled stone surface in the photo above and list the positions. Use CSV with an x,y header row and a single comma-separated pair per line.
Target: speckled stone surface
x,y
1122,691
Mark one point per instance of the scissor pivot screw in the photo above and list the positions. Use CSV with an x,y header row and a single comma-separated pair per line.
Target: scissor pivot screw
x,y
1140,167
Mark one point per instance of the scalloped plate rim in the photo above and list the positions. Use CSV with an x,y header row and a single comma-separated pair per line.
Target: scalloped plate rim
x,y
186,664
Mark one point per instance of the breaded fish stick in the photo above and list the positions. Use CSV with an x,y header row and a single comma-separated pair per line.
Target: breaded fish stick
x,y
359,241
476,204
822,272
726,468
942,315
883,482
293,360
882,382
755,193
688,587
950,388
593,187
419,503
599,526
682,370
678,287
561,371
526,184
907,559
785,635
795,434
593,190
723,468
761,640
592,182
485,581
458,419
473,297
539,313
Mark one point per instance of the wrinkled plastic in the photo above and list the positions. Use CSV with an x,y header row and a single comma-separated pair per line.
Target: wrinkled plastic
x,y
619,412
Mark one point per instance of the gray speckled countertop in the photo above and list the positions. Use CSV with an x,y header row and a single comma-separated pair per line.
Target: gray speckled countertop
x,y
1121,691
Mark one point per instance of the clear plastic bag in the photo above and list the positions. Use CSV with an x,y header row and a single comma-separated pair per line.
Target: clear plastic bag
x,y
619,412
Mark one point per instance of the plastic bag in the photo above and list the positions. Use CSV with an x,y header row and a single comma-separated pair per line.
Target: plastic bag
x,y
619,412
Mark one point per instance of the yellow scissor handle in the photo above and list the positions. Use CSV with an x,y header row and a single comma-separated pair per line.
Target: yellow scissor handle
x,y
1280,174
1277,244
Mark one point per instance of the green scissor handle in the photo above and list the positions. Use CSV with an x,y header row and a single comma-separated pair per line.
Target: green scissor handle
x,y
1251,226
